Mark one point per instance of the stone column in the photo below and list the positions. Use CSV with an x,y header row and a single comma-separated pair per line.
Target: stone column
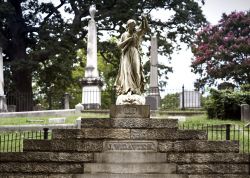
x,y
66,101
153,99
245,112
3,106
91,90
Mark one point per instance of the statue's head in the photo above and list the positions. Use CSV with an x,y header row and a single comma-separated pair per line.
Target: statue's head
x,y
131,24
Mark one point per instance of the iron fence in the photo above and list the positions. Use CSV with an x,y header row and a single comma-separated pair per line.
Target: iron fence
x,y
93,98
13,141
239,133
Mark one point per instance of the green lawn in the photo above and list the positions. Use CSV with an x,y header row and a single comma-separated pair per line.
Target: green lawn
x,y
44,120
202,119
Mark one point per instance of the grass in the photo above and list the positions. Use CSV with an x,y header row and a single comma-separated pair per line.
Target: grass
x,y
202,119
216,130
25,120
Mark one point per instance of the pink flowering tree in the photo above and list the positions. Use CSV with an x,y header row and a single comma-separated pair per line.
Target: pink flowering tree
x,y
222,51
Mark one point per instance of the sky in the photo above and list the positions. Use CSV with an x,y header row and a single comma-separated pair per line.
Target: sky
x,y
213,10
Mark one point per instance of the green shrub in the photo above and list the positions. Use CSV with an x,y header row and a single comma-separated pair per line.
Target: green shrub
x,y
170,102
225,104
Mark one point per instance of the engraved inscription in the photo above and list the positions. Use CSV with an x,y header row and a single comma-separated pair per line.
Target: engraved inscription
x,y
130,146
129,110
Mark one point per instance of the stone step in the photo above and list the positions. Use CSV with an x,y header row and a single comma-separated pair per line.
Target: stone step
x,y
127,133
129,123
130,157
207,158
21,175
130,176
129,168
45,168
223,168
47,157
219,176
198,146
69,145
142,134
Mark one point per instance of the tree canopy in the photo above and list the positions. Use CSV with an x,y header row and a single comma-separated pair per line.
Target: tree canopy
x,y
222,51
40,39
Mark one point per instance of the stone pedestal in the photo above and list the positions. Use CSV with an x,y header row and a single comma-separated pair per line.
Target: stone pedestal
x,y
245,112
3,106
129,111
154,98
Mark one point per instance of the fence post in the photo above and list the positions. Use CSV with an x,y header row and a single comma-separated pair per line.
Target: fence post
x,y
228,131
183,102
46,133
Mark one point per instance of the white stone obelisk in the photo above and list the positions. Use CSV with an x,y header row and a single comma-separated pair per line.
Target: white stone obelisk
x,y
3,106
153,99
91,90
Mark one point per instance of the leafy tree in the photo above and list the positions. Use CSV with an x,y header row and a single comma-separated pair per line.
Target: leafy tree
x,y
40,45
222,51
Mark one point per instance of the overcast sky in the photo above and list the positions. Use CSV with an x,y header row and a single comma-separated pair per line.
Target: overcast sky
x,y
213,10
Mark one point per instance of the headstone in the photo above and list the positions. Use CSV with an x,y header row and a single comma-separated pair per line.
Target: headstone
x,y
91,90
57,120
3,106
79,108
153,99
192,99
245,112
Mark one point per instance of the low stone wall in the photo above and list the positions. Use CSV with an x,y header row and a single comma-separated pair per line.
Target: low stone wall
x,y
54,113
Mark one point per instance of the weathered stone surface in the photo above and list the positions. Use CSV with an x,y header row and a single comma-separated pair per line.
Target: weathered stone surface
x,y
99,133
66,133
153,134
131,176
163,123
63,145
130,157
213,169
46,157
14,167
130,122
129,168
130,145
97,123
129,111
220,176
207,158
166,134
191,135
9,175
198,146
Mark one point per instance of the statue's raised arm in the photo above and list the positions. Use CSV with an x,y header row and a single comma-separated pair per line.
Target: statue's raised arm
x,y
143,28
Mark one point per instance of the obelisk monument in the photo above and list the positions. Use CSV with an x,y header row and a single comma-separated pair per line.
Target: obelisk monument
x,y
153,99
91,83
3,107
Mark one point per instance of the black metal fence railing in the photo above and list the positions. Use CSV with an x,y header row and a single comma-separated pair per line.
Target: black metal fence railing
x,y
13,141
99,99
224,132
181,99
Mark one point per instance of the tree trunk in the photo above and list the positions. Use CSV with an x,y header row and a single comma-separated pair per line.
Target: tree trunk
x,y
22,81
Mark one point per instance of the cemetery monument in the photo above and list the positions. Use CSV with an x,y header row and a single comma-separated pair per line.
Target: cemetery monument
x,y
91,90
